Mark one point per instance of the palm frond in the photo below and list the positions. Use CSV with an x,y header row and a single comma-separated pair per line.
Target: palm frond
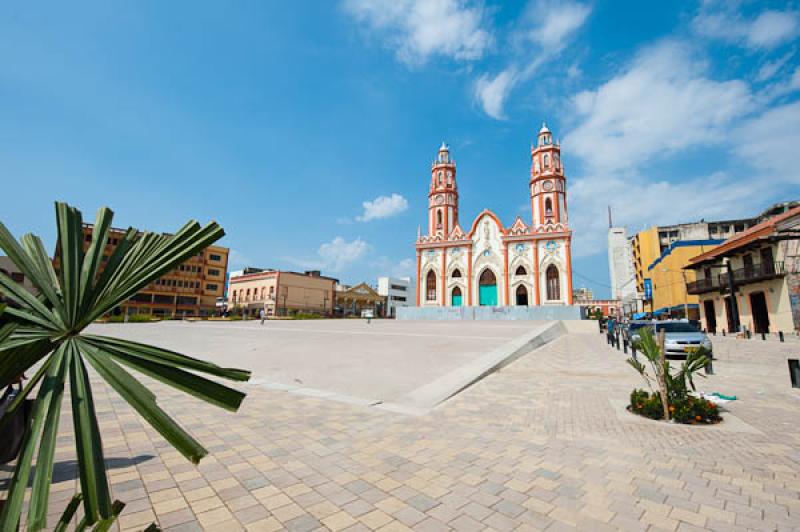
x,y
47,329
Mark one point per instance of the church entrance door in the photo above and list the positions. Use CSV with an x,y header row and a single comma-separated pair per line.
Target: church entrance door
x,y
522,296
456,298
487,289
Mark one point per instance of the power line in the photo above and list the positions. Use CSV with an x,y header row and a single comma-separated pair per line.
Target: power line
x,y
590,279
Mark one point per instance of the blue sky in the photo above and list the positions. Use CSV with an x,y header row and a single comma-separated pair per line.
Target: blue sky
x,y
307,128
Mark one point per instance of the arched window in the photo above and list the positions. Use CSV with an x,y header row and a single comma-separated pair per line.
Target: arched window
x,y
553,283
440,177
546,160
521,271
430,286
438,218
456,273
548,207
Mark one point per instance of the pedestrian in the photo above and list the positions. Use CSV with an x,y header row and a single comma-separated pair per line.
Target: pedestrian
x,y
262,315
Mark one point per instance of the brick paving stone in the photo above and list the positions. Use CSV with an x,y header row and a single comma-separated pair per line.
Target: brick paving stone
x,y
540,444
175,518
466,523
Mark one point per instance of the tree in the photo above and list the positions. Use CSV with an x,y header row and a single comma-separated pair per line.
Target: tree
x,y
48,329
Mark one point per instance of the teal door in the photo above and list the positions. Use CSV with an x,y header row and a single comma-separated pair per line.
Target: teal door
x,y
487,289
456,299
487,295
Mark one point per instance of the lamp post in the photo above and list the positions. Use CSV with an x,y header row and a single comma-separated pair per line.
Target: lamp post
x,y
732,288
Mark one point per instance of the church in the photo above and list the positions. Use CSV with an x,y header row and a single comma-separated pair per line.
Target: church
x,y
490,264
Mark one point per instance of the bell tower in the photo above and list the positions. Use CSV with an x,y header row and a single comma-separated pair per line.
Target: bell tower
x,y
548,184
443,195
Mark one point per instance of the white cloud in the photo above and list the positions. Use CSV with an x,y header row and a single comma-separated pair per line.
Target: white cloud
x,y
338,254
770,68
638,203
769,142
555,22
492,92
334,256
721,20
383,207
772,28
419,29
662,103
383,266
546,26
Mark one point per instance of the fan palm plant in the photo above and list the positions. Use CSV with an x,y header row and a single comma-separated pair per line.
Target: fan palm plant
x,y
44,334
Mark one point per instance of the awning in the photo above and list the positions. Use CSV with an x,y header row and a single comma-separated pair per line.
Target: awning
x,y
681,307
662,310
640,315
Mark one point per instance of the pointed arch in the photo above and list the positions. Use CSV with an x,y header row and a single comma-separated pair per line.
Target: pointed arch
x,y
487,288
490,214
521,270
522,296
456,273
430,286
456,297
548,207
553,283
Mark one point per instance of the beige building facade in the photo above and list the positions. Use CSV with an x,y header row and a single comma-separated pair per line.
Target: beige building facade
x,y
281,293
763,262
191,289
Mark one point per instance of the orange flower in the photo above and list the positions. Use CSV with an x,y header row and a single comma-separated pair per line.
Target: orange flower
x,y
672,409
698,418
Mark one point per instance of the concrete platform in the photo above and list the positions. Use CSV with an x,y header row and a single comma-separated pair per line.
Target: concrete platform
x,y
401,365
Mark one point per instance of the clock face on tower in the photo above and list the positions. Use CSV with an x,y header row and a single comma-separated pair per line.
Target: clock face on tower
x,y
547,186
439,199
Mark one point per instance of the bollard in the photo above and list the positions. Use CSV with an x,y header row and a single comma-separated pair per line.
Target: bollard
x,y
709,367
633,350
780,336
748,334
625,346
794,372
723,332
600,326
763,336
616,340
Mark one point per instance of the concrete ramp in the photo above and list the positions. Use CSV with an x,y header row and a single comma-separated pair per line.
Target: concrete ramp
x,y
434,393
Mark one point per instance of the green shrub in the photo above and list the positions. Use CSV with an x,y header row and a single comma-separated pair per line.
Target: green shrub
x,y
688,409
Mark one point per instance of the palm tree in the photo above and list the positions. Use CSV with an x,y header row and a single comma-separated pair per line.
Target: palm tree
x,y
47,330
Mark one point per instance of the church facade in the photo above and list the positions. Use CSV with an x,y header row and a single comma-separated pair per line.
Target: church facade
x,y
488,263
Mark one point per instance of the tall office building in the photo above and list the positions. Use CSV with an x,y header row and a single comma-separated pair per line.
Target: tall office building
x,y
620,265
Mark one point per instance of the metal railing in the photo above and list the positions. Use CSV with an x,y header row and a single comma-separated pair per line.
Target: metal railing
x,y
748,274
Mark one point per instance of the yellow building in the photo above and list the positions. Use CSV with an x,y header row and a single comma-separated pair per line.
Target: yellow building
x,y
668,278
645,249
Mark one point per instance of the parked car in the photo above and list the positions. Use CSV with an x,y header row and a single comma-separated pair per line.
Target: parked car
x,y
680,336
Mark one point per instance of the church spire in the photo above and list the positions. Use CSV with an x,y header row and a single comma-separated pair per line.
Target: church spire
x,y
443,194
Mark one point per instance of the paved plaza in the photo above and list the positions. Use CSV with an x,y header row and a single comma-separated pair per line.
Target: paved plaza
x,y
544,443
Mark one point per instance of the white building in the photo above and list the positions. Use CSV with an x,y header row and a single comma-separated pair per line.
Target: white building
x,y
491,264
397,291
620,266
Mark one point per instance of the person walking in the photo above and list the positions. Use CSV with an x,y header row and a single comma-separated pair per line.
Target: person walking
x,y
262,315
